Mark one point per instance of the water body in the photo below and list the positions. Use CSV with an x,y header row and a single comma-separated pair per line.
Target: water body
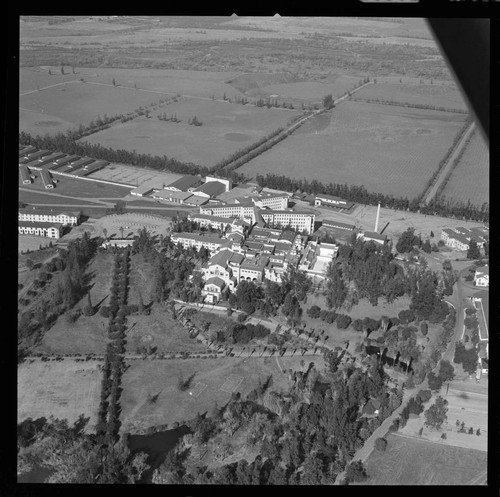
x,y
156,446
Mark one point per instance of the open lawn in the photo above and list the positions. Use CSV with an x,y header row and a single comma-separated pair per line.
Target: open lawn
x,y
470,178
145,378
448,97
413,461
37,197
29,242
74,187
396,149
63,389
225,129
468,403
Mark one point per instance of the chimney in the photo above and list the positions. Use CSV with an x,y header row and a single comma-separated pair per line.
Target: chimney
x,y
378,215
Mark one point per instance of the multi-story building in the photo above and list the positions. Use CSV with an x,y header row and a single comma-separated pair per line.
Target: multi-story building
x,y
243,211
206,220
49,216
460,238
211,243
297,220
49,230
212,291
275,201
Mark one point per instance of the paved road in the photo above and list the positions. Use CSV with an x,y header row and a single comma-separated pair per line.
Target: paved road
x,y
449,164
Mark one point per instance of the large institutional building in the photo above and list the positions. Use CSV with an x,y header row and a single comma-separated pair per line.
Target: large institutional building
x,y
49,216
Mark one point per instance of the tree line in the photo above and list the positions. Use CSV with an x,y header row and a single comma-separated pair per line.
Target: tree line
x,y
411,105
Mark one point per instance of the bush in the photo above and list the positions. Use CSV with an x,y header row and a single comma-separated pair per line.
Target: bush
x,y
343,321
355,472
424,328
406,316
395,321
242,317
314,311
381,444
357,324
88,310
424,395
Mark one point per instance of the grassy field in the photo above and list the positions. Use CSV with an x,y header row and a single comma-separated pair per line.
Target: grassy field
x,y
421,94
396,149
412,461
306,91
467,402
34,197
78,103
470,179
73,187
135,175
29,242
87,334
226,128
210,375
64,389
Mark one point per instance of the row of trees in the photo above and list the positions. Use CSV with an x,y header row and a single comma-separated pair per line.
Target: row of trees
x,y
438,206
444,160
412,105
66,143
108,423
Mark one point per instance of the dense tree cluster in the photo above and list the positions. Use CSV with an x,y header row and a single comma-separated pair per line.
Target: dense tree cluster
x,y
74,456
299,442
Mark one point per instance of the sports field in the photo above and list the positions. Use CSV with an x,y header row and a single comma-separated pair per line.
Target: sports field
x,y
135,175
173,405
225,129
388,149
470,178
447,96
63,389
412,461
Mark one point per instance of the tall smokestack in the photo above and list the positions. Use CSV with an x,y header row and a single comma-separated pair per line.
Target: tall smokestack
x,y
378,215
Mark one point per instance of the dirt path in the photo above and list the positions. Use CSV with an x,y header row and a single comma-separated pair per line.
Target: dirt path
x,y
449,164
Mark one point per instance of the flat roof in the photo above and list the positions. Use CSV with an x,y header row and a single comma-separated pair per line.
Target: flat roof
x,y
201,238
332,222
211,188
196,200
48,212
374,235
209,217
168,194
143,189
330,197
184,183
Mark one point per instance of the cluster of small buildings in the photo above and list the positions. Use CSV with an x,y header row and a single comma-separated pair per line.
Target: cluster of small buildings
x,y
48,223
459,238
49,163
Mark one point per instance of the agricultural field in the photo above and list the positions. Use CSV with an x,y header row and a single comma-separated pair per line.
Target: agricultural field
x,y
306,91
413,461
209,385
469,180
130,175
388,149
78,103
153,83
437,95
225,129
63,389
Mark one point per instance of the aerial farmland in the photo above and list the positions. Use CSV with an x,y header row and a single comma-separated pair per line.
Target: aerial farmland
x,y
389,149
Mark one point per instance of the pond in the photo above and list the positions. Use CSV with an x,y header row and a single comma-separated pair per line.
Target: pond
x,y
156,446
